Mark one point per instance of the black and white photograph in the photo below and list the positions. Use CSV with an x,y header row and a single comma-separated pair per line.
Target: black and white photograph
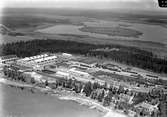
x,y
83,58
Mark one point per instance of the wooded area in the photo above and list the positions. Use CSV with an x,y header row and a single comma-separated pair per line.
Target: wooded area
x,y
127,55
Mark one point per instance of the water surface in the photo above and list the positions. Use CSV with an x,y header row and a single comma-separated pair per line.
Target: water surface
x,y
23,103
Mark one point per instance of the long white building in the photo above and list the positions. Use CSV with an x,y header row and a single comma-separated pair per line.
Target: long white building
x,y
77,73
80,64
37,62
8,58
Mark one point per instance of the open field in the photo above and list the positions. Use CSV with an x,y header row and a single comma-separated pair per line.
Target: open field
x,y
113,31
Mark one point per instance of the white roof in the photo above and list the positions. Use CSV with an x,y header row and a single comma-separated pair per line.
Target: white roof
x,y
45,59
147,105
45,55
39,60
35,57
66,54
79,72
50,57
62,73
26,59
31,57
38,56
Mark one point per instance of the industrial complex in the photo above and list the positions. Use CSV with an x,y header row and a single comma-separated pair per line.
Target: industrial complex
x,y
37,62
48,67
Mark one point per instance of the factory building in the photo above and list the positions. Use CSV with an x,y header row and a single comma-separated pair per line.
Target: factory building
x,y
77,73
65,57
62,74
37,62
80,64
147,107
8,59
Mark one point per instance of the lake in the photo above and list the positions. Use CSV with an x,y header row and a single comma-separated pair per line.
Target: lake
x,y
154,33
23,103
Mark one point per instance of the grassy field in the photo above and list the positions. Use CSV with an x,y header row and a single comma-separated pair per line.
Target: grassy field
x,y
112,31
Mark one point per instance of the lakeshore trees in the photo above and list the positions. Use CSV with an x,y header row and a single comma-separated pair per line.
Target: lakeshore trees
x,y
98,92
88,89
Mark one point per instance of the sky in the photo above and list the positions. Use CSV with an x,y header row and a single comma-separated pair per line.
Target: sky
x,y
84,4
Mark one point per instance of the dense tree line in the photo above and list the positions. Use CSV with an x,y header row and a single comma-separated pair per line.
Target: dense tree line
x,y
95,91
128,55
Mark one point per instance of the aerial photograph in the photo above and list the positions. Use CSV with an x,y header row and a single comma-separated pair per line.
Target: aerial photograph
x,y
83,58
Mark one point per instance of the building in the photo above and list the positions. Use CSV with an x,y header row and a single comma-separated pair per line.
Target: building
x,y
8,59
126,98
62,74
80,64
65,56
37,62
112,67
151,77
148,108
77,73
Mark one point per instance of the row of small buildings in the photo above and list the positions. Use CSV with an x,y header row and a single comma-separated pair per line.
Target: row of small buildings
x,y
37,62
8,59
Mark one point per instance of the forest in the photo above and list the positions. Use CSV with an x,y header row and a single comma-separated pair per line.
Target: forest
x,y
126,55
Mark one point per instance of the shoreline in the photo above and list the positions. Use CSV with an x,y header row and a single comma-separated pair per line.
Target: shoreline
x,y
64,95
95,105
